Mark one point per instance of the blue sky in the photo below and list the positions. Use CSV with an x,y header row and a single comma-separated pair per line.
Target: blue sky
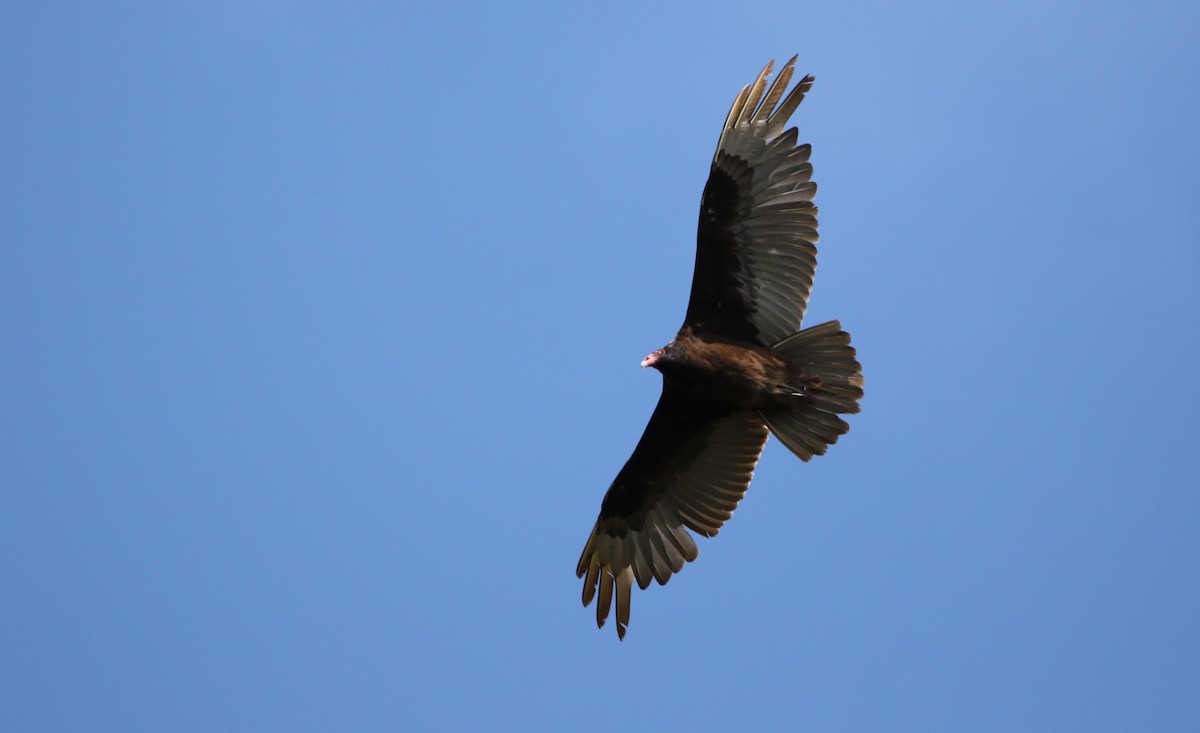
x,y
321,337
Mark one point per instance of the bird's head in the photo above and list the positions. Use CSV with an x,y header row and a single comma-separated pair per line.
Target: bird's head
x,y
654,357
663,357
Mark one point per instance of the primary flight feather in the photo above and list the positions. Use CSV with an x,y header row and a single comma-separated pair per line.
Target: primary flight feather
x,y
740,367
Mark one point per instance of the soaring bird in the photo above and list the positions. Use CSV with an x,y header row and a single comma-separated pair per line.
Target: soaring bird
x,y
740,367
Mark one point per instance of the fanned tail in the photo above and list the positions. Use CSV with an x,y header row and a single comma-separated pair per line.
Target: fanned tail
x,y
811,423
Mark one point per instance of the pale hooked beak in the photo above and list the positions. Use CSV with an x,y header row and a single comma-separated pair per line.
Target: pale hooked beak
x,y
652,359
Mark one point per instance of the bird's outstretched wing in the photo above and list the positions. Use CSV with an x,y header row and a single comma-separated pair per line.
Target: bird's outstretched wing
x,y
756,244
690,469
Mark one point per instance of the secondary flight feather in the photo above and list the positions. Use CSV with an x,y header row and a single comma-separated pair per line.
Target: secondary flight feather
x,y
739,368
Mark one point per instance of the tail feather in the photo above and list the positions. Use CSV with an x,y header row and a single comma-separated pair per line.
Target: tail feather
x,y
811,424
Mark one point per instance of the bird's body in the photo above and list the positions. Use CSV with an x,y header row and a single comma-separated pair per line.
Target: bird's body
x,y
740,367
733,373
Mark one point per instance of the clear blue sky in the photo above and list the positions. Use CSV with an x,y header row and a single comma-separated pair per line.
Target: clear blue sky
x,y
320,337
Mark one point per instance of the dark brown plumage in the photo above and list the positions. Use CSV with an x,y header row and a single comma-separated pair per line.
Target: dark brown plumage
x,y
739,367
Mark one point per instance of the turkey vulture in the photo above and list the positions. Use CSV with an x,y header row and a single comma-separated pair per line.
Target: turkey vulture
x,y
739,368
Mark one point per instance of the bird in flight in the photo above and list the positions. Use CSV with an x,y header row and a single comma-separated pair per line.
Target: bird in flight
x,y
740,367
